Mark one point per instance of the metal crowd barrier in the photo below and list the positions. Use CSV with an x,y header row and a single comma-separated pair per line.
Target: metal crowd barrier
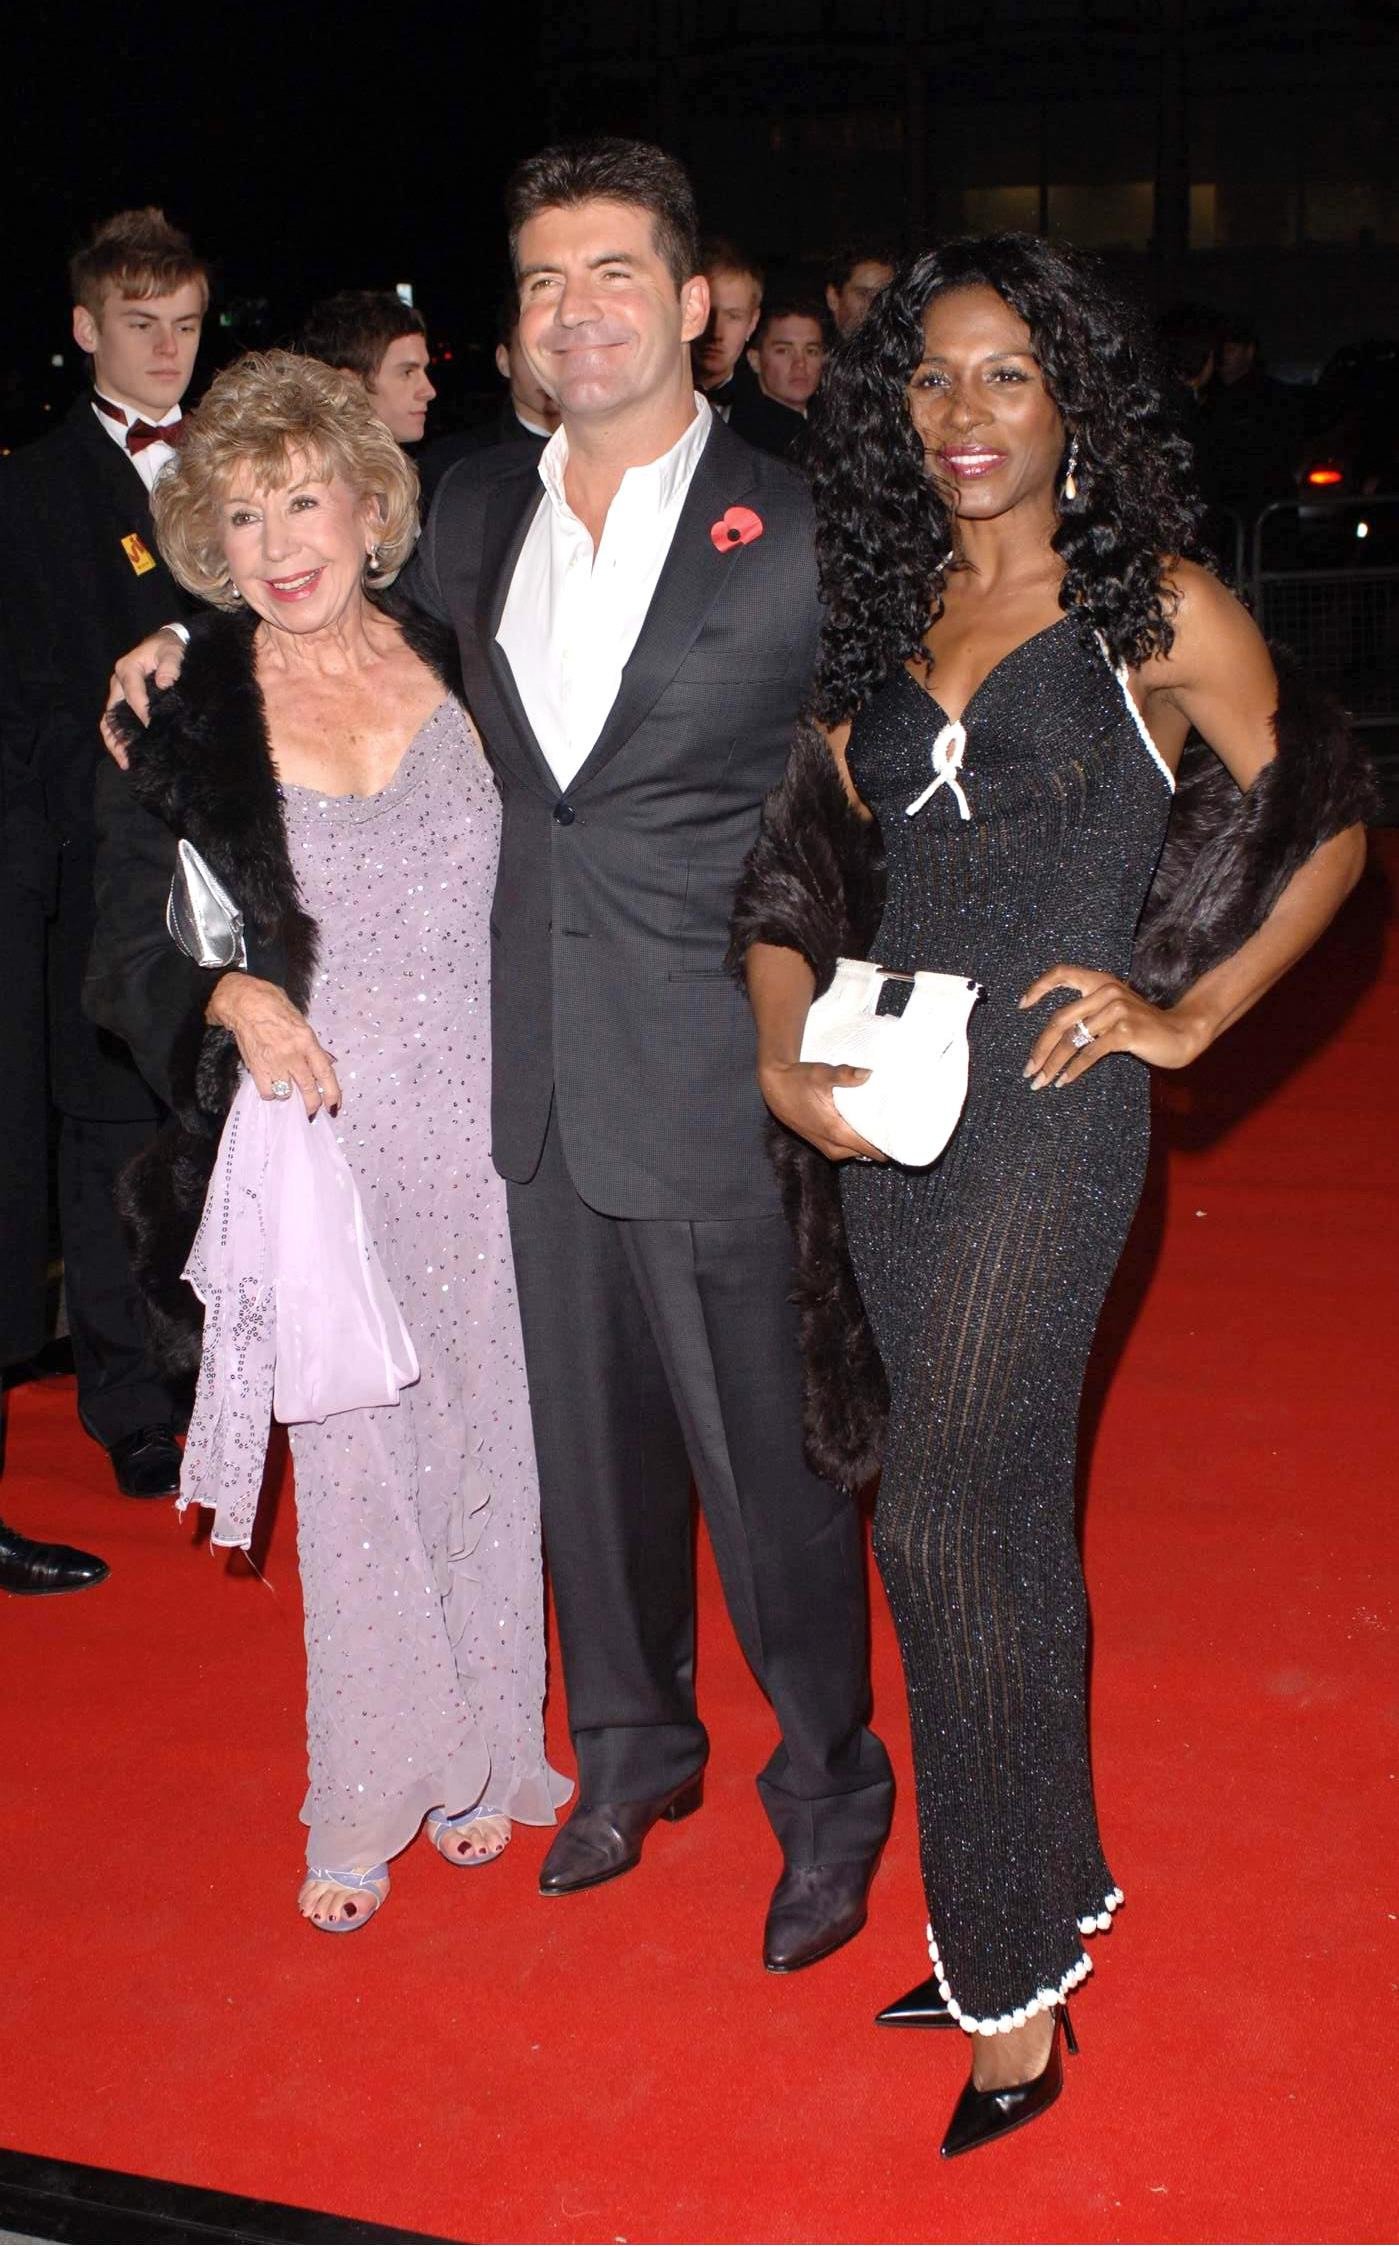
x,y
1324,579
1227,533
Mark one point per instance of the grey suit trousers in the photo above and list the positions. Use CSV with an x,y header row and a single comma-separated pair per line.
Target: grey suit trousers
x,y
655,1347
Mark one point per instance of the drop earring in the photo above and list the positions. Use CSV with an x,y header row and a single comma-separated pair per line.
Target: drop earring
x,y
1070,488
371,560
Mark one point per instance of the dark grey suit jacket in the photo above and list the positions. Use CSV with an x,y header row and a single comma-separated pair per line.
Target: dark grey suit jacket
x,y
612,904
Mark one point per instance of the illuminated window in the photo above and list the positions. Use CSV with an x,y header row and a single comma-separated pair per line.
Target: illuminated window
x,y
1203,225
1107,215
1351,211
993,210
1253,215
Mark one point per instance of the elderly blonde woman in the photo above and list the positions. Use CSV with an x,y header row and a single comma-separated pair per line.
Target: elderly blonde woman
x,y
315,756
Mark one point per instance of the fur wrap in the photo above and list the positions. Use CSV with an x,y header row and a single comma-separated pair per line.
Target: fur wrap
x,y
203,765
814,883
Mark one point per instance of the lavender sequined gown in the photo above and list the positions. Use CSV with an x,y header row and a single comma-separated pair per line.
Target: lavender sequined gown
x,y
418,1524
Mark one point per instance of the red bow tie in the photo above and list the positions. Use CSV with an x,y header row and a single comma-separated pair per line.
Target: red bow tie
x,y
143,433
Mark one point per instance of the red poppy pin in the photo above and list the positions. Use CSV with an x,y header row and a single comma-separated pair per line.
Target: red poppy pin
x,y
738,526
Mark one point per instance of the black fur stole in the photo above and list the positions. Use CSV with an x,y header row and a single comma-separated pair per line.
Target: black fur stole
x,y
1228,855
814,883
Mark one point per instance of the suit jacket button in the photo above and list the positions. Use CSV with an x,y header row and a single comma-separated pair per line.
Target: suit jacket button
x,y
564,813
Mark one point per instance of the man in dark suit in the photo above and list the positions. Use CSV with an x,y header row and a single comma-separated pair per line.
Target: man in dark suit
x,y
79,578
787,357
637,616
720,354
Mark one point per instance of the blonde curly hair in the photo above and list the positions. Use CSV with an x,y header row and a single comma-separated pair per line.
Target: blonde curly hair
x,y
266,411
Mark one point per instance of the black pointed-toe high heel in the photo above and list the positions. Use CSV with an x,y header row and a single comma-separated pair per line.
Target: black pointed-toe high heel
x,y
980,2116
920,2008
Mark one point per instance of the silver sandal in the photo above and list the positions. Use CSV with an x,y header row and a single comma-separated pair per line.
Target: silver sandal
x,y
374,1884
441,1828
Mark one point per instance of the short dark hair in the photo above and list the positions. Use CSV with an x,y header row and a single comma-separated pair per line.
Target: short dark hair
x,y
718,254
611,171
845,260
355,328
137,253
789,304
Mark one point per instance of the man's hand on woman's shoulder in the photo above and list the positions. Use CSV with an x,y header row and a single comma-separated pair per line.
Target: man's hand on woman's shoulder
x,y
158,660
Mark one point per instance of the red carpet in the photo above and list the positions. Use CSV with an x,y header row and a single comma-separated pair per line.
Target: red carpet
x,y
486,2065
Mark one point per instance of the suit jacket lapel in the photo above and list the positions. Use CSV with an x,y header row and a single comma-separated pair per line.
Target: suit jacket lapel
x,y
124,494
689,583
118,471
509,512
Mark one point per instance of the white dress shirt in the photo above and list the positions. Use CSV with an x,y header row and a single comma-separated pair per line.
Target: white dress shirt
x,y
152,459
572,617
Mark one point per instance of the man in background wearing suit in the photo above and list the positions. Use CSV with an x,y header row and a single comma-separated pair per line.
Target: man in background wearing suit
x,y
526,415
720,354
373,334
787,356
853,281
80,577
637,614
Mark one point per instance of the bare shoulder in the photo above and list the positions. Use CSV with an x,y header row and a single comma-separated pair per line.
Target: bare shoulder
x,y
1217,680
1205,614
1215,640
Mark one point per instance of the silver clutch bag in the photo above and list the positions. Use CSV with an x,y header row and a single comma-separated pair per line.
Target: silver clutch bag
x,y
910,1032
202,917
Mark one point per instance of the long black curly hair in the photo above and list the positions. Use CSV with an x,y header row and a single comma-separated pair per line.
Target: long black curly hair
x,y
885,537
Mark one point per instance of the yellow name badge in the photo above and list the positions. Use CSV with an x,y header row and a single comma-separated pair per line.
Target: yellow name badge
x,y
137,553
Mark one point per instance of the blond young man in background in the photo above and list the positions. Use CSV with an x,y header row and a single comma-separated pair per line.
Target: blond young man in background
x,y
80,577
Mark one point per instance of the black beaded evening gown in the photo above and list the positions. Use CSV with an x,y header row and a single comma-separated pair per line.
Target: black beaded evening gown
x,y
983,1279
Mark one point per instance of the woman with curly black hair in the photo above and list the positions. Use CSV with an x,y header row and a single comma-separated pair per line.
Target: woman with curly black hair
x,y
1017,644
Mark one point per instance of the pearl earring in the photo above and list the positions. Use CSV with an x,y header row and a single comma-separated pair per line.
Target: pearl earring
x,y
371,560
1070,479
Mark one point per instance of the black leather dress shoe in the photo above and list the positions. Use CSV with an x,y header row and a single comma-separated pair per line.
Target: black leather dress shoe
x,y
814,1909
980,2116
28,1567
146,1463
603,1839
920,2008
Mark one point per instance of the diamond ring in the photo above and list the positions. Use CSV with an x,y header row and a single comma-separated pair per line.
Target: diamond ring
x,y
281,1088
1081,1035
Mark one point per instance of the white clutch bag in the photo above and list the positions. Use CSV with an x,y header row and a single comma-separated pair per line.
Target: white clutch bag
x,y
201,916
916,1052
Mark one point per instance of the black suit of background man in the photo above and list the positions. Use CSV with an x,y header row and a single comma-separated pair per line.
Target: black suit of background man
x,y
80,580
501,427
654,1262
